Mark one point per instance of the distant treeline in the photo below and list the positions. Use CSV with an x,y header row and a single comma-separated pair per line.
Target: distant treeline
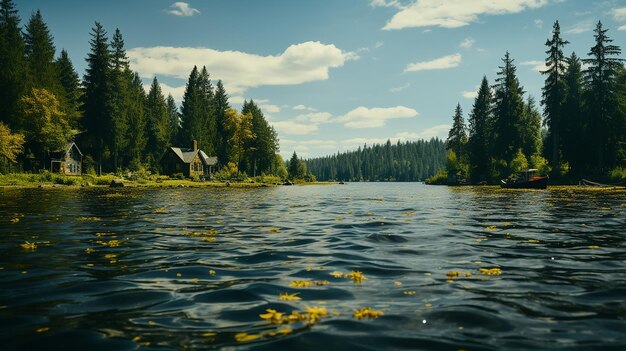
x,y
403,162
584,115
44,105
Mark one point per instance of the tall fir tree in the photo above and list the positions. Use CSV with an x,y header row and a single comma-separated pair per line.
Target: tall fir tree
x,y
208,132
479,140
602,115
574,128
12,64
174,119
120,80
221,106
530,128
97,98
39,51
553,95
191,112
136,123
264,145
71,91
508,111
457,136
157,124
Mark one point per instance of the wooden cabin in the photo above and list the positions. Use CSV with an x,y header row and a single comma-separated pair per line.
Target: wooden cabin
x,y
67,161
190,162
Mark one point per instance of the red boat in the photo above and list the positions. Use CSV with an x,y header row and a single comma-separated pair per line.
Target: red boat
x,y
526,179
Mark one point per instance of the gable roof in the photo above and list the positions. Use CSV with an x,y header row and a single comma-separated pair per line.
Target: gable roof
x,y
188,155
65,150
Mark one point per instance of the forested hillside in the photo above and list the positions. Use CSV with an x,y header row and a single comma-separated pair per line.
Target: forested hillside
x,y
402,162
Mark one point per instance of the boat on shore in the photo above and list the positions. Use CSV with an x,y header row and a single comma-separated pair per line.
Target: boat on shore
x,y
526,179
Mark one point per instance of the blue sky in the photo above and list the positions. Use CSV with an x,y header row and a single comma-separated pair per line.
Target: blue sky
x,y
332,75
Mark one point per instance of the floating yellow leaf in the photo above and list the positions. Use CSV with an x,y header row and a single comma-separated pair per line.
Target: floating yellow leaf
x,y
89,250
274,230
151,323
28,246
410,292
315,313
208,334
339,219
272,316
397,283
212,272
110,243
491,271
290,297
533,241
15,220
43,329
453,274
594,246
321,282
88,219
244,337
137,338
367,312
301,284
337,274
194,280
356,276
209,239
110,256
90,265
160,210
491,227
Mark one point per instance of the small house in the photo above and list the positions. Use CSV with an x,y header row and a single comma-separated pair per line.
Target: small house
x,y
190,162
67,161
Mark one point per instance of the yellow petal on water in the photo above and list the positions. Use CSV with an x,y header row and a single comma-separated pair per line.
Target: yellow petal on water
x,y
593,246
356,276
212,272
110,256
28,246
137,338
274,230
88,218
43,329
321,282
337,274
208,334
245,337
194,280
367,312
301,284
90,264
209,239
14,220
453,274
397,283
491,227
428,305
409,292
491,271
284,331
89,250
533,241
179,275
290,297
339,219
272,316
151,323
468,274
24,272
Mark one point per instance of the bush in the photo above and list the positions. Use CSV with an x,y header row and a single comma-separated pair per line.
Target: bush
x,y
541,164
441,178
618,175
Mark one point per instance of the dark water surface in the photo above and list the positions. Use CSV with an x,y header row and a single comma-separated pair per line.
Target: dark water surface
x,y
194,268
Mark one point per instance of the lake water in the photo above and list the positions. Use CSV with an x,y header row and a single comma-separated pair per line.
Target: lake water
x,y
162,269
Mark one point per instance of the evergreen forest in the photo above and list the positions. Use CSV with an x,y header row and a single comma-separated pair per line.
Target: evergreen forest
x,y
44,105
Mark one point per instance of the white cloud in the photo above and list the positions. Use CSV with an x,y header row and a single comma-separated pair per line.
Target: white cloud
x,y
469,94
619,14
449,61
386,3
538,23
538,66
295,128
177,92
299,63
363,117
467,43
400,88
622,27
379,44
270,108
314,117
581,27
452,13
439,131
182,9
303,107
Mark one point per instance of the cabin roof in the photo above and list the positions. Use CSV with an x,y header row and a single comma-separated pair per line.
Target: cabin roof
x,y
188,155
60,153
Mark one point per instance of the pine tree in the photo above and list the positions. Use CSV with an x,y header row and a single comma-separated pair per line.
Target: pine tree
x,y
574,128
120,80
12,65
97,99
39,52
602,114
191,112
157,124
478,143
221,105
508,111
531,129
292,169
174,119
136,123
71,92
207,133
553,94
265,143
457,136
